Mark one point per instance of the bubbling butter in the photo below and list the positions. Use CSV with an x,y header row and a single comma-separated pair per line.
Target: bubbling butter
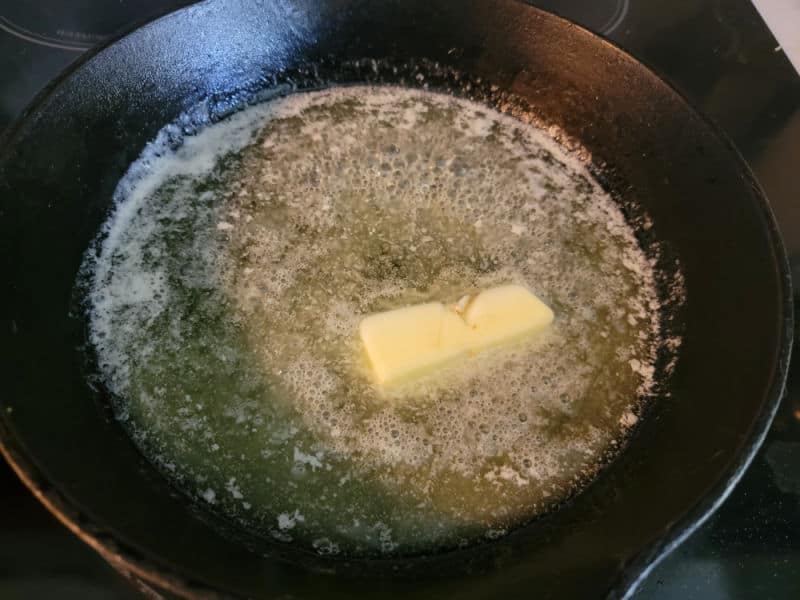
x,y
229,284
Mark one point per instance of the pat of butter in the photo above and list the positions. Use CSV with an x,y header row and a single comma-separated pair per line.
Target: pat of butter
x,y
410,342
505,313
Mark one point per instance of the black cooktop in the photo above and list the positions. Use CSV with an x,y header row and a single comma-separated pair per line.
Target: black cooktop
x,y
722,56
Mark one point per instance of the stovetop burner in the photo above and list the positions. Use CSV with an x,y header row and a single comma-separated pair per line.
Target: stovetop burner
x,y
602,16
39,38
76,25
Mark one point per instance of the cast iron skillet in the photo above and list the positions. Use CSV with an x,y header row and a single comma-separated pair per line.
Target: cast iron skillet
x,y
59,166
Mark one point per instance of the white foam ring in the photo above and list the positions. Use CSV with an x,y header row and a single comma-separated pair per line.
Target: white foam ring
x,y
352,200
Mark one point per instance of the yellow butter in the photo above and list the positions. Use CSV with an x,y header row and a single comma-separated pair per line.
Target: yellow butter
x,y
505,313
408,342
413,341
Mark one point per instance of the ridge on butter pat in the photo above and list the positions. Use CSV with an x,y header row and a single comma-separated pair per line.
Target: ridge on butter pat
x,y
409,342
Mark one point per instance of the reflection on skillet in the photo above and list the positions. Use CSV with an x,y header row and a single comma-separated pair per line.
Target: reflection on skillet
x,y
225,292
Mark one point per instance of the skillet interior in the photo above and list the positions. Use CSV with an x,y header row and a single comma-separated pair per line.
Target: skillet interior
x,y
60,164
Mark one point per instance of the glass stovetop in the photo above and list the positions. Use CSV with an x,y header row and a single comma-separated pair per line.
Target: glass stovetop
x,y
721,55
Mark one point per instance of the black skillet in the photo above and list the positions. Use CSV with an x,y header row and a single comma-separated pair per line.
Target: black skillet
x,y
59,165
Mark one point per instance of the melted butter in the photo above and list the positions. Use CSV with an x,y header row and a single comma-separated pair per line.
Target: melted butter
x,y
226,298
